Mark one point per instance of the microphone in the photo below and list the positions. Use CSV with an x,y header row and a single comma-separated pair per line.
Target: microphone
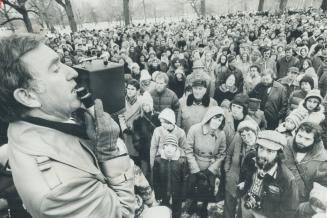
x,y
87,99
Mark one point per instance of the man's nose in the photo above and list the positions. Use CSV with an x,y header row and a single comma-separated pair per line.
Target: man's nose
x,y
71,73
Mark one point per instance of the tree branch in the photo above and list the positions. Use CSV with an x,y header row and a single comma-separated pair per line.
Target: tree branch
x,y
11,19
61,3
16,7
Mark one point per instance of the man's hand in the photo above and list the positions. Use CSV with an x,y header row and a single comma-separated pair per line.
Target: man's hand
x,y
104,131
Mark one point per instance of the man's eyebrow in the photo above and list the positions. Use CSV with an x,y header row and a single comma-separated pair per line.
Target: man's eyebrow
x,y
54,61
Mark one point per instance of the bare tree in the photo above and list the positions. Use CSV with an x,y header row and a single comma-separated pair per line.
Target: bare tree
x,y
260,6
5,13
143,4
66,4
45,12
323,5
282,5
20,7
126,12
203,7
195,5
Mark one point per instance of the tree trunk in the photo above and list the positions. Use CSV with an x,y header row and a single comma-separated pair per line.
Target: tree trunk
x,y
203,8
126,12
323,5
70,15
144,11
261,3
282,5
27,22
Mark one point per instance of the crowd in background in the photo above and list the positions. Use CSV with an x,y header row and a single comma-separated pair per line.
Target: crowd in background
x,y
205,97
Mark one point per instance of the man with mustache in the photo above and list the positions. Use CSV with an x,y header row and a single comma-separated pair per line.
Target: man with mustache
x,y
267,188
306,157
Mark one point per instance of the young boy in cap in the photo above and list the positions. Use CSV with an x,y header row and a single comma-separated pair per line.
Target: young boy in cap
x,y
169,173
267,187
291,123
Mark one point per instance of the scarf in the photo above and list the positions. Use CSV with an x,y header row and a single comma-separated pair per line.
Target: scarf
x,y
78,130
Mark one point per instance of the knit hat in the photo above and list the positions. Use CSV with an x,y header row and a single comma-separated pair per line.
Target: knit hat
x,y
199,82
241,99
168,114
307,79
146,98
145,75
314,93
318,193
271,139
250,124
296,117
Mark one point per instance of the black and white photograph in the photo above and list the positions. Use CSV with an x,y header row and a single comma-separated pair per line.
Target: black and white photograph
x,y
163,108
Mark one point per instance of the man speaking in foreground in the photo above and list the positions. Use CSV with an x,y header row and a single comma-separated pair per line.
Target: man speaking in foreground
x,y
61,168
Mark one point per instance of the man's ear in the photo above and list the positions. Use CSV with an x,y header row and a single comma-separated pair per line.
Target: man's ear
x,y
27,98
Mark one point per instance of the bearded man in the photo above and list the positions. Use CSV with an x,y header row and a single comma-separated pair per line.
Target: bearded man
x,y
267,187
273,98
306,157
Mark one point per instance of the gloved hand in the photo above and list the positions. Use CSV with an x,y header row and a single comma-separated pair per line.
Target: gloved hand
x,y
201,175
182,160
208,173
128,131
104,131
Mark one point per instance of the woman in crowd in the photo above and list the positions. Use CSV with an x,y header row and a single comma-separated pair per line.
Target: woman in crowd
x,y
227,90
205,152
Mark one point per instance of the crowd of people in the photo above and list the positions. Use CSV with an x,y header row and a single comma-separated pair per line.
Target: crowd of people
x,y
224,117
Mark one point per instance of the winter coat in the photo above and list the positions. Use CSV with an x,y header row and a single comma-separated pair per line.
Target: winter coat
x,y
142,134
322,83
177,86
314,116
222,93
204,150
268,64
191,113
312,168
290,85
169,178
276,104
283,65
158,139
126,122
57,175
317,61
280,191
296,97
236,152
165,99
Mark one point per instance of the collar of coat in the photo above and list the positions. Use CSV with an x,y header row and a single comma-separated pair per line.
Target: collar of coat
x,y
36,140
318,153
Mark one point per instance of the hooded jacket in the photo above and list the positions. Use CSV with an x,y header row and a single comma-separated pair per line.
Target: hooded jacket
x,y
206,150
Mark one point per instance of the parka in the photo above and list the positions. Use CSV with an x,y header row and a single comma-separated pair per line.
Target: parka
x,y
57,175
312,168
203,149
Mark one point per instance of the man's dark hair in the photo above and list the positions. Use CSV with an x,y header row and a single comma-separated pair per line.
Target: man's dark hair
x,y
13,73
310,127
135,83
257,67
